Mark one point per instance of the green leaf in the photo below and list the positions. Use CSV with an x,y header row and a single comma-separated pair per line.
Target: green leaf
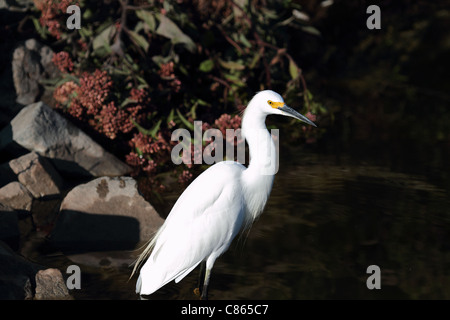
x,y
194,110
85,32
206,66
268,13
189,125
202,102
235,79
56,82
139,26
159,60
300,15
87,14
149,132
183,69
167,28
39,28
102,52
103,38
67,78
140,40
170,117
148,18
323,109
231,65
254,60
154,130
127,101
142,81
244,41
311,30
293,69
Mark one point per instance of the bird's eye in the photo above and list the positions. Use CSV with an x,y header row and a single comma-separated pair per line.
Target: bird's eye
x,y
270,102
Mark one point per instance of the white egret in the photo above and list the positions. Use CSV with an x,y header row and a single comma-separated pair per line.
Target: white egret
x,y
217,205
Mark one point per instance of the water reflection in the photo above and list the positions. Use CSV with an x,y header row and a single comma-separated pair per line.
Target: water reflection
x,y
323,226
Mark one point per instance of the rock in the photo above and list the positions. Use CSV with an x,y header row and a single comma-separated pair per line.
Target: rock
x,y
17,275
18,278
50,285
26,75
31,63
39,128
16,196
9,226
104,214
37,175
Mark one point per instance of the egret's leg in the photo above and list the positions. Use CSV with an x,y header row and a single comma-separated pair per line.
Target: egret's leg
x,y
204,295
209,265
201,277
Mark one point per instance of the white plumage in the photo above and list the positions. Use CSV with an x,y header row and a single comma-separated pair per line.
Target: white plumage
x,y
203,222
217,205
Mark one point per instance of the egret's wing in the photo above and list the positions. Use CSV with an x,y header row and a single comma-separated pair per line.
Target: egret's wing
x,y
198,196
205,219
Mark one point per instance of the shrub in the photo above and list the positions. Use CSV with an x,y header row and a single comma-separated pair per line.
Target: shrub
x,y
138,69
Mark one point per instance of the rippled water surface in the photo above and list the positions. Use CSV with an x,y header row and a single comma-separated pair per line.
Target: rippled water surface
x,y
324,224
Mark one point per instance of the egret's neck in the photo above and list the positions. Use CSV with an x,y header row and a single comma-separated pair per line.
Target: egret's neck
x,y
258,177
261,146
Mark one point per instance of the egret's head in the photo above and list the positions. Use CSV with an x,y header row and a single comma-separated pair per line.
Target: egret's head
x,y
271,102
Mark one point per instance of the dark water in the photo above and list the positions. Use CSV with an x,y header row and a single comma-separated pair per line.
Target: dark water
x,y
325,223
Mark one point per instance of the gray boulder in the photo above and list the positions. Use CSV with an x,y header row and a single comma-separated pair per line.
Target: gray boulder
x,y
50,285
16,196
37,175
104,214
32,62
39,128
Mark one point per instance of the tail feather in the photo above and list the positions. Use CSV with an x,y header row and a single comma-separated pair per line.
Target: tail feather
x,y
145,253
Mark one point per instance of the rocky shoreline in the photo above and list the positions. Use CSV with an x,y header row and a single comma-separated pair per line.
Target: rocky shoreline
x,y
99,211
